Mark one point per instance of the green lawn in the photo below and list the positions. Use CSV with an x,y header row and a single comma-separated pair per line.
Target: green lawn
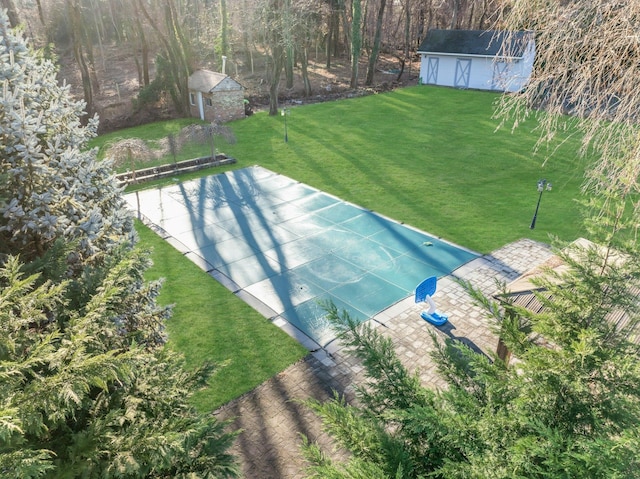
x,y
150,132
427,156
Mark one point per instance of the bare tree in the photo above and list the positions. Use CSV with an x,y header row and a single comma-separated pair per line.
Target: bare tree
x,y
333,31
306,20
288,42
356,40
177,53
79,45
224,28
375,50
143,63
269,21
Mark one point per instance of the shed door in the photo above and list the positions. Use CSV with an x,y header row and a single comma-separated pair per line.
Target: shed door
x,y
432,70
463,72
500,76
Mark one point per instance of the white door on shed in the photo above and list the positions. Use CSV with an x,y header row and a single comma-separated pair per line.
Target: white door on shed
x,y
500,75
432,70
463,73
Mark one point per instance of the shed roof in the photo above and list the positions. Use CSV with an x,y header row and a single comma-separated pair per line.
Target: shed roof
x,y
476,42
206,81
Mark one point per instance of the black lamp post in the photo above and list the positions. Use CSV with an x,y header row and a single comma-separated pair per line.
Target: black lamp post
x,y
542,185
285,112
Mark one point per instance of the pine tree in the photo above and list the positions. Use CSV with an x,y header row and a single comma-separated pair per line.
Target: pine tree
x,y
57,188
87,388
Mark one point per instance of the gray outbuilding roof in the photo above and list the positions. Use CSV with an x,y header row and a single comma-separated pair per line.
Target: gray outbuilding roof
x,y
476,42
207,81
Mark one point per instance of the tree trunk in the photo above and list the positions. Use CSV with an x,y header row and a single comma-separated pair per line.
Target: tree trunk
x,y
176,55
287,37
82,35
373,58
483,16
278,64
224,28
304,62
356,41
180,55
40,12
332,34
471,12
246,29
455,13
407,36
288,67
144,47
86,78
145,59
100,33
116,25
73,12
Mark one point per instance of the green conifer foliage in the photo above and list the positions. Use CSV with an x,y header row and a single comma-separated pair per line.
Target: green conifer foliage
x,y
87,387
53,187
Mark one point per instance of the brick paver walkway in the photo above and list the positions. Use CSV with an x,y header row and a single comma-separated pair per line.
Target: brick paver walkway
x,y
271,416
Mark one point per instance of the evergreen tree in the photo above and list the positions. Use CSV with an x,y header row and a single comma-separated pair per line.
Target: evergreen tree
x,y
87,388
56,189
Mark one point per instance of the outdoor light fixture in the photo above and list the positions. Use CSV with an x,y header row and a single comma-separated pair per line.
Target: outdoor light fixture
x,y
285,112
542,186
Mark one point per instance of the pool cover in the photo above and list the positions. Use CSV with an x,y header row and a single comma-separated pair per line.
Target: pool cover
x,y
291,247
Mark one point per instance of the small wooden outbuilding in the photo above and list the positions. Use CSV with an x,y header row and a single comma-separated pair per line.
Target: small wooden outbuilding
x,y
215,96
480,59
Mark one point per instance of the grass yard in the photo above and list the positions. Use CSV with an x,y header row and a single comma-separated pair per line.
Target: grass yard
x,y
427,156
151,134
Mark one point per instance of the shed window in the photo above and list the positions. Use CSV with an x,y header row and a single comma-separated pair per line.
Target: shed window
x,y
209,102
192,98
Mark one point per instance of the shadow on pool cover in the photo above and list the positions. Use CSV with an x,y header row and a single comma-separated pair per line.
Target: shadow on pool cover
x,y
293,248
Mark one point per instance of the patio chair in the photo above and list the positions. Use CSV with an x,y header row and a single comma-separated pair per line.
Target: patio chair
x,y
424,292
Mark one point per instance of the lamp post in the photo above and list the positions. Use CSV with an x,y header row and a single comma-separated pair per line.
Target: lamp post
x,y
542,186
285,112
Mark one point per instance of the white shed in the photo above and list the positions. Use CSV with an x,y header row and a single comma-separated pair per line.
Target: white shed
x,y
480,59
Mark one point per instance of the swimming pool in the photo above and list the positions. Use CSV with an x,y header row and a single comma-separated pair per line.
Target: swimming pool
x,y
285,247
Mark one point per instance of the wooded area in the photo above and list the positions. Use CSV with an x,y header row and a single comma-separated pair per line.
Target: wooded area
x,y
112,51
